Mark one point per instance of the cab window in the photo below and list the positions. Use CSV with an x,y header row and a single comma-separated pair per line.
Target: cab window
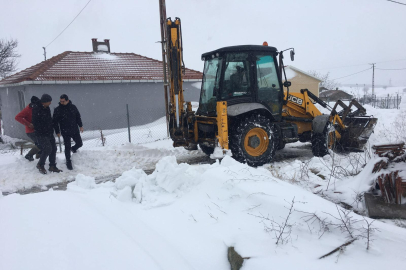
x,y
236,76
269,90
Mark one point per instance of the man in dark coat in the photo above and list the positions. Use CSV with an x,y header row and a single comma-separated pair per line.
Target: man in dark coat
x,y
44,131
67,121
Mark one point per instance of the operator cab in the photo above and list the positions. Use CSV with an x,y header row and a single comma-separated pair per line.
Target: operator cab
x,y
241,74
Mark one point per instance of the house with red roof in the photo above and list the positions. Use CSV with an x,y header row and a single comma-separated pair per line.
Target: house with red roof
x,y
100,83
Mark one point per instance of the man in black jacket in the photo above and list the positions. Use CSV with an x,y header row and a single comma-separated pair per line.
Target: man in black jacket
x,y
43,126
66,121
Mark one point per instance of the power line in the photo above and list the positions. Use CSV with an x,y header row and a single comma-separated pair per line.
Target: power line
x,y
69,24
397,2
391,68
342,67
352,74
361,64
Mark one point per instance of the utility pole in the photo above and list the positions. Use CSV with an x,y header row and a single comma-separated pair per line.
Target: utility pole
x,y
162,14
45,53
373,75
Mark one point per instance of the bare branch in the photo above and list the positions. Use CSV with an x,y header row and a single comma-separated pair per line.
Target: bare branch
x,y
8,57
340,248
327,82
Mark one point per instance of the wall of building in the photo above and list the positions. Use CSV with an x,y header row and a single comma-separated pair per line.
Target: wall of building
x,y
102,106
302,81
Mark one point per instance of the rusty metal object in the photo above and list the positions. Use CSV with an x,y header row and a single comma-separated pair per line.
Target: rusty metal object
x,y
379,166
392,186
400,185
390,151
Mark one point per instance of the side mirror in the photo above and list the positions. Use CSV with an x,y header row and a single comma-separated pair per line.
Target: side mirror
x,y
287,84
292,55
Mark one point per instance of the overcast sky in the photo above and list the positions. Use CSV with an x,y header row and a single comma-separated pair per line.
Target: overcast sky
x,y
340,37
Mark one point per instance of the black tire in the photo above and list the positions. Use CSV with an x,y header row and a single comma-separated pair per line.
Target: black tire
x,y
322,142
206,149
261,133
279,143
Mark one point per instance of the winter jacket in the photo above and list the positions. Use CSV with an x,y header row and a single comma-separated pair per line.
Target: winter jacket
x,y
42,120
25,118
67,119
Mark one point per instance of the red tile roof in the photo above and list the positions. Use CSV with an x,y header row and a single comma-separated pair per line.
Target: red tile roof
x,y
90,66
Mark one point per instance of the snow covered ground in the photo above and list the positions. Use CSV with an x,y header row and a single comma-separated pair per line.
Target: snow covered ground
x,y
186,216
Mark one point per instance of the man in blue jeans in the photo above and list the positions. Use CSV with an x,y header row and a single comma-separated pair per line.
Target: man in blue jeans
x,y
67,121
44,131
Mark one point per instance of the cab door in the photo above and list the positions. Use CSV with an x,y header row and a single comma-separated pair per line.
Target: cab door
x,y
269,90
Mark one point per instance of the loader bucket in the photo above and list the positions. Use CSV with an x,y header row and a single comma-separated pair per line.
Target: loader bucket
x,y
358,131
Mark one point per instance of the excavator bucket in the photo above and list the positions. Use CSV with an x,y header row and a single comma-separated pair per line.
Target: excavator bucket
x,y
359,126
358,131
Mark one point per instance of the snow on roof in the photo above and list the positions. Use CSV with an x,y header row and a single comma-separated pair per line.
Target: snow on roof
x,y
94,66
301,71
103,48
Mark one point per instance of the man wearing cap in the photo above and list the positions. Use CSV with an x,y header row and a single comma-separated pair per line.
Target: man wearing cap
x,y
67,121
44,131
25,118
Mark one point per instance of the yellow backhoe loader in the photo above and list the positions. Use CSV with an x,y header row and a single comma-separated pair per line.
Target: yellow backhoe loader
x,y
245,105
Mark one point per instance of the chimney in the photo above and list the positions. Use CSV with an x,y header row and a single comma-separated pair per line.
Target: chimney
x,y
99,46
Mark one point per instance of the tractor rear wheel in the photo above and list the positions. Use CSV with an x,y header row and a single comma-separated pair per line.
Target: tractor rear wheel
x,y
252,140
322,142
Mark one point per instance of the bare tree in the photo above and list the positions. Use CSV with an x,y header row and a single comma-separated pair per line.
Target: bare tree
x,y
8,57
327,82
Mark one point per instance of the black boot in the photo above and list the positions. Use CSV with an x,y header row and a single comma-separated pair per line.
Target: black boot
x,y
41,169
69,165
54,169
34,150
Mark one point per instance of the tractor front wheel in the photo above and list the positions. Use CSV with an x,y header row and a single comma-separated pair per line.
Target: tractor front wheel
x,y
322,142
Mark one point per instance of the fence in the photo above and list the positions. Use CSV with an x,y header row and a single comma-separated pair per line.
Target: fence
x,y
388,102
127,129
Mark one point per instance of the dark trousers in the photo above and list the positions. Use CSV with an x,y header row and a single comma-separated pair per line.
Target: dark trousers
x,y
35,149
67,142
47,145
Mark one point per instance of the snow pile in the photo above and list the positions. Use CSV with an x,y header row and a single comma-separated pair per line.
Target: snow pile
x,y
83,181
217,153
169,181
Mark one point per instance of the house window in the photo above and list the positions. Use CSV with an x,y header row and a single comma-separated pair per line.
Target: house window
x,y
21,100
